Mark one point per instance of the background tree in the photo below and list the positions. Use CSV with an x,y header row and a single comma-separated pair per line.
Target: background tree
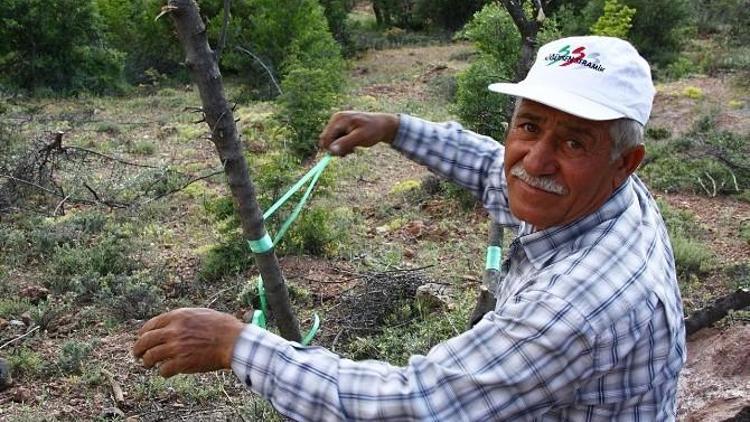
x,y
616,20
57,45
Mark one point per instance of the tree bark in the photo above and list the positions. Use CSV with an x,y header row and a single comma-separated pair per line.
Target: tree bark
x,y
204,71
717,310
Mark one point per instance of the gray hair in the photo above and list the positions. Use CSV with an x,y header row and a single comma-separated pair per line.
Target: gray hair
x,y
625,133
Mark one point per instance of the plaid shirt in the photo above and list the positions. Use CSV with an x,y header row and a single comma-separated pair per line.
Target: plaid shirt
x,y
588,324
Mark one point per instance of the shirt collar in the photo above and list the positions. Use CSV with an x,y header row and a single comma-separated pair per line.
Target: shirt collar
x,y
541,246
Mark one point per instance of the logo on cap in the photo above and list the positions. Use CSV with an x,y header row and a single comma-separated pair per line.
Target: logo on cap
x,y
578,56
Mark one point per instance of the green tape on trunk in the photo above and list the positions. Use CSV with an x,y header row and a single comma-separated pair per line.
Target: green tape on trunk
x,y
494,255
261,245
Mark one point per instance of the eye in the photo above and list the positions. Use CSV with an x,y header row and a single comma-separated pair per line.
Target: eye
x,y
530,127
574,145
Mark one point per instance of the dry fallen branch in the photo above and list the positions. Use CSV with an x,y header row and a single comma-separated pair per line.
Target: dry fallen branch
x,y
717,310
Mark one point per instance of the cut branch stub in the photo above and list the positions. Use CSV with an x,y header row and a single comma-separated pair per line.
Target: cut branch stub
x,y
204,71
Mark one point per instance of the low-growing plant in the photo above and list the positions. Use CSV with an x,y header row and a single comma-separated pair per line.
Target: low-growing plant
x,y
705,161
25,363
231,256
13,308
73,356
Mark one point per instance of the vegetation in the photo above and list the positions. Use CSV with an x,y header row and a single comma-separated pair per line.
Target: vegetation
x,y
162,233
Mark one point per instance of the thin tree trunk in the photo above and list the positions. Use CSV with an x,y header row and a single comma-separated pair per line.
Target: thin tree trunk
x,y
486,300
204,71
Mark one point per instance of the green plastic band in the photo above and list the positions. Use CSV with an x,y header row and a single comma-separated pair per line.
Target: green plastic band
x,y
318,168
264,244
259,319
494,254
262,295
297,209
314,330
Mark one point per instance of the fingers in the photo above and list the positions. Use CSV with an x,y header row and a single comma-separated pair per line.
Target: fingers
x,y
346,144
157,354
148,340
158,321
339,125
173,367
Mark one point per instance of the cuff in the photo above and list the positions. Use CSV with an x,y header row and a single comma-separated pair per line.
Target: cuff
x,y
253,357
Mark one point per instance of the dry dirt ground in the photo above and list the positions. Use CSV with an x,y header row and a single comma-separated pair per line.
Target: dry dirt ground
x,y
715,382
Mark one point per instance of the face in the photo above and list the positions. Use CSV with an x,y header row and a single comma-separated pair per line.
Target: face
x,y
559,166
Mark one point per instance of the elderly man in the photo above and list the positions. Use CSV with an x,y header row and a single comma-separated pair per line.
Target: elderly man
x,y
588,323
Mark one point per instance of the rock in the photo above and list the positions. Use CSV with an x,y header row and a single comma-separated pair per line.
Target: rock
x,y
22,395
112,413
16,323
5,379
35,294
26,318
434,296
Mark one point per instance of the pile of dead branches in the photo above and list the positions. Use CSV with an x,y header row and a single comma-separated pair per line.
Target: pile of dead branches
x,y
364,308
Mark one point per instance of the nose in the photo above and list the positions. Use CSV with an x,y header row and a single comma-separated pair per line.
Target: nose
x,y
540,158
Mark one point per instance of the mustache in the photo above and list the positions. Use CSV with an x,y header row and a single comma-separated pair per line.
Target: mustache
x,y
546,184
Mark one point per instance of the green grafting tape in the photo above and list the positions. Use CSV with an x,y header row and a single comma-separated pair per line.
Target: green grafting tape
x,y
318,168
262,295
259,319
494,253
262,245
314,330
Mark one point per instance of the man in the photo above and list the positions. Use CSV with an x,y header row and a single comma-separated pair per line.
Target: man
x,y
588,323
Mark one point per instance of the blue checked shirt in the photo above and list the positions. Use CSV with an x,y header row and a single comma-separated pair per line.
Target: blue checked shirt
x,y
588,324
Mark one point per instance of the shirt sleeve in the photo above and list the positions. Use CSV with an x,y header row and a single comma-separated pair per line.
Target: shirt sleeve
x,y
473,161
515,364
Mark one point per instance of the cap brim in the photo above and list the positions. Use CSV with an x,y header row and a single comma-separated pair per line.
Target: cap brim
x,y
559,99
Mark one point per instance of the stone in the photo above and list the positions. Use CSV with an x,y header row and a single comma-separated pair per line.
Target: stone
x,y
26,318
112,413
35,294
5,378
22,395
434,296
16,323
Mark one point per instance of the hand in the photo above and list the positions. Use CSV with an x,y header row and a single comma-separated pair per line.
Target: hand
x,y
350,129
187,341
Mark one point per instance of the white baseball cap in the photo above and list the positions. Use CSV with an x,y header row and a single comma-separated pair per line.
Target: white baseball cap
x,y
596,78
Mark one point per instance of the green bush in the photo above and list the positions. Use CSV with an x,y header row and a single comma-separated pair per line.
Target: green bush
x,y
230,256
136,296
13,308
148,45
691,254
705,161
55,45
615,21
73,356
313,233
25,363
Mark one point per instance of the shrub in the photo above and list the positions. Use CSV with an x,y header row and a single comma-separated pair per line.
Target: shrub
x,y
73,356
616,20
55,45
313,233
25,363
148,45
691,255
705,160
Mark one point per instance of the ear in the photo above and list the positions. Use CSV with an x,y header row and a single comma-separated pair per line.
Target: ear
x,y
628,163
